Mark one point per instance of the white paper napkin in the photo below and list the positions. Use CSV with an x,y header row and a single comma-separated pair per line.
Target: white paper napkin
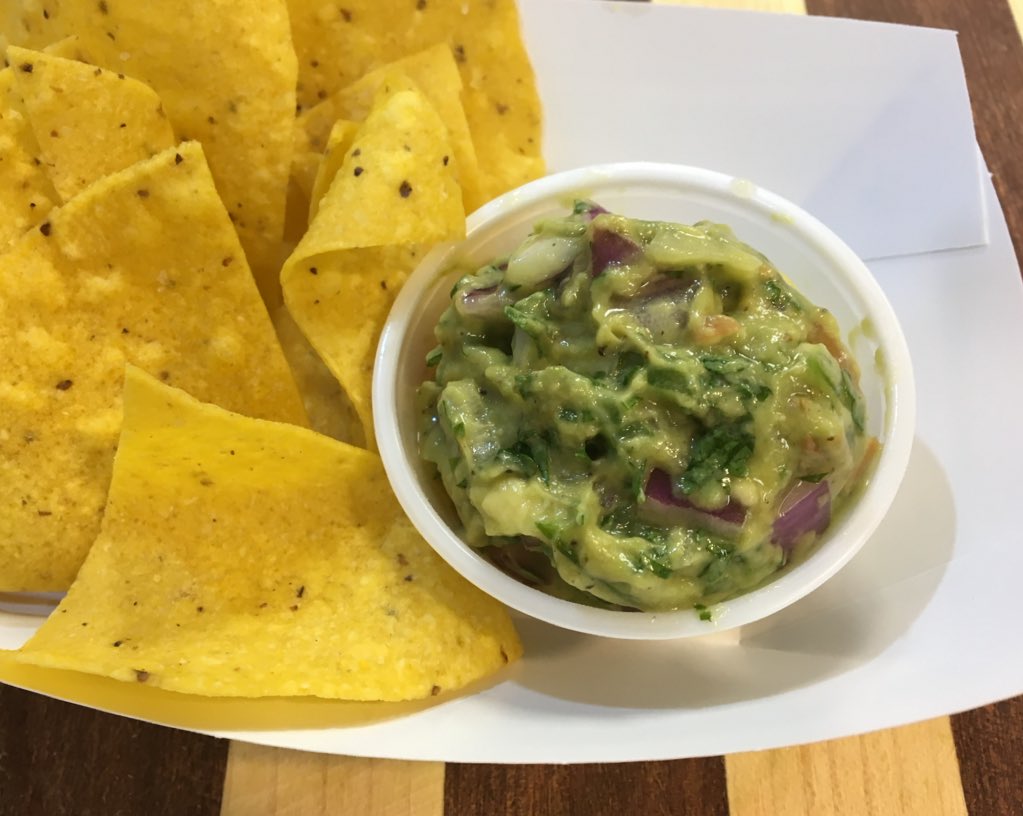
x,y
866,125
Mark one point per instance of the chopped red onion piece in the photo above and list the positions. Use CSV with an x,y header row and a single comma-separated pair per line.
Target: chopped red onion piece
x,y
541,259
609,248
487,303
663,506
592,210
805,508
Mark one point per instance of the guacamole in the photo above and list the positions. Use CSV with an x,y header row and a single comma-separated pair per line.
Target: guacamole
x,y
641,414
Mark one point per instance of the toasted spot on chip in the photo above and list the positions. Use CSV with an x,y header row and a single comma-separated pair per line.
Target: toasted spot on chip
x,y
368,235
107,261
96,123
298,580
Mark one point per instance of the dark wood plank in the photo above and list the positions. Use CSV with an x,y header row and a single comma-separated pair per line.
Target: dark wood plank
x,y
989,743
57,758
691,787
993,58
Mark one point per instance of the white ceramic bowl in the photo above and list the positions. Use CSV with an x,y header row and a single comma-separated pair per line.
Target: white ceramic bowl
x,y
813,257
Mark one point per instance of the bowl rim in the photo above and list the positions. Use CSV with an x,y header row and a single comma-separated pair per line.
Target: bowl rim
x,y
856,526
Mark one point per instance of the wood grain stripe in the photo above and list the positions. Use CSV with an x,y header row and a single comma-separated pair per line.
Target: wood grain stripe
x,y
58,758
263,781
908,771
692,787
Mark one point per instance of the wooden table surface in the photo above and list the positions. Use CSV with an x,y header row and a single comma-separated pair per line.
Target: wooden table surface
x,y
57,758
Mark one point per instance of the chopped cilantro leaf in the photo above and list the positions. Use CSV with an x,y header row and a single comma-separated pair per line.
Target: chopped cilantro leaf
x,y
716,454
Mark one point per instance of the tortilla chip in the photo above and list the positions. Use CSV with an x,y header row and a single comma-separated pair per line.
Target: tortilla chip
x,y
226,72
432,71
326,404
338,143
342,311
143,266
26,195
250,559
500,98
67,48
332,150
31,23
393,193
397,185
88,122
300,190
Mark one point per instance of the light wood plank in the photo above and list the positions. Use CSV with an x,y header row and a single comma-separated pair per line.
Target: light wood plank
x,y
273,782
910,770
786,6
1017,14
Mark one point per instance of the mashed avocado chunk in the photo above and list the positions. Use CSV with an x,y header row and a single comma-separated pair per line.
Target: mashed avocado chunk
x,y
641,414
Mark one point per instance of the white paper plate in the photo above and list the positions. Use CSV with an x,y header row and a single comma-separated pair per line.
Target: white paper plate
x,y
925,620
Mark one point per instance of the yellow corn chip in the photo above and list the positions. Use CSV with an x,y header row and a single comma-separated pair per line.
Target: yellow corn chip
x,y
326,404
142,266
342,310
338,143
88,122
226,72
304,168
316,163
394,192
500,98
433,72
397,184
26,195
32,23
243,558
67,48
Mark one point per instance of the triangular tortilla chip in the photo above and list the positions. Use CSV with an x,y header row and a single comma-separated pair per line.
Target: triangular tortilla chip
x,y
398,184
143,266
334,155
393,193
326,404
501,102
433,72
31,23
226,72
247,558
88,122
342,310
